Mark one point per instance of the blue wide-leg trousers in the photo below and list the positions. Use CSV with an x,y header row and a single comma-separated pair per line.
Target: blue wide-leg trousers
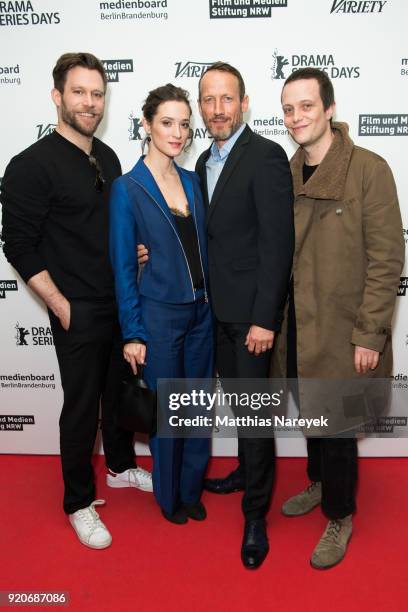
x,y
180,344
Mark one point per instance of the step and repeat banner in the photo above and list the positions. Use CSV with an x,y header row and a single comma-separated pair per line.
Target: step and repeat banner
x,y
145,43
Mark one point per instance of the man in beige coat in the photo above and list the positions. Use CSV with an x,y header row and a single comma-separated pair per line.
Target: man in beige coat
x,y
348,258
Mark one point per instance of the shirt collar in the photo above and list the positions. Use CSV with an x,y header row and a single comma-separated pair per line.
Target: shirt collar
x,y
221,154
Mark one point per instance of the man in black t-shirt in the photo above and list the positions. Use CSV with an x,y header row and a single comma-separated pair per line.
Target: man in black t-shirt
x,y
55,198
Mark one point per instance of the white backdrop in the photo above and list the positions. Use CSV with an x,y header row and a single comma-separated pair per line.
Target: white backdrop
x,y
147,43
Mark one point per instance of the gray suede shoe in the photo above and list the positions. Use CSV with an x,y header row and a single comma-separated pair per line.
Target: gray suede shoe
x,y
333,544
303,502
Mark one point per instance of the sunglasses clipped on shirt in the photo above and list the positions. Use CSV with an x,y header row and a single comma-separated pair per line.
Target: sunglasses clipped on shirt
x,y
99,180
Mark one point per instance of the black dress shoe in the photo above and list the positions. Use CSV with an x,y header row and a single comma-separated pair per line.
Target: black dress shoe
x,y
196,511
255,544
230,484
179,517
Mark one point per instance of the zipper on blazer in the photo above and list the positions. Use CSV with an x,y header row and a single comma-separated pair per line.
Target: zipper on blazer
x,y
177,236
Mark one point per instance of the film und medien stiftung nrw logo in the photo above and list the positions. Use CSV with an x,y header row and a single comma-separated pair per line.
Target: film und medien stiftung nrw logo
x,y
284,64
363,6
402,289
114,67
383,125
25,13
7,285
15,422
243,9
33,336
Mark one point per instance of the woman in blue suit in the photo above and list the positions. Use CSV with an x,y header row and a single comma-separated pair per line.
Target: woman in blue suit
x,y
164,312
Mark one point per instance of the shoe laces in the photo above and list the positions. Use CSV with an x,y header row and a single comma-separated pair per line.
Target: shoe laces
x,y
140,472
90,516
333,530
312,487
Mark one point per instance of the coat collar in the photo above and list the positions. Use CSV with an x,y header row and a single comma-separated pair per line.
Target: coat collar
x,y
329,179
141,174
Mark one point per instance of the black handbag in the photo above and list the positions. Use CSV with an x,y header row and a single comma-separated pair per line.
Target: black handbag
x,y
137,405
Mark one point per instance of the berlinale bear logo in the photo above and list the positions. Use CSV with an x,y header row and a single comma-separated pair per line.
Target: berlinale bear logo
x,y
37,336
134,129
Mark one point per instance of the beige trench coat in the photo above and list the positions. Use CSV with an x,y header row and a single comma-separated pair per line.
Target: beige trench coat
x,y
348,259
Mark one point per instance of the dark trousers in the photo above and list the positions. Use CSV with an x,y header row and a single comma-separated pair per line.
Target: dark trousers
x,y
91,367
256,456
179,344
331,461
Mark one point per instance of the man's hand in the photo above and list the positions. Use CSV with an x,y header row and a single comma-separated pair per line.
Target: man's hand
x,y
43,285
64,314
142,254
134,353
365,359
259,340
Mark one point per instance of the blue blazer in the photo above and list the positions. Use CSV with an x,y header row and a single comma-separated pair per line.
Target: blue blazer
x,y
140,214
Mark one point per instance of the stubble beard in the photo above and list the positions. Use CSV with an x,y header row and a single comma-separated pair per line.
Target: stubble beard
x,y
70,119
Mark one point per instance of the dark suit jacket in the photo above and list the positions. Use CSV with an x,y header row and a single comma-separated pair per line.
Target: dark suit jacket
x,y
250,232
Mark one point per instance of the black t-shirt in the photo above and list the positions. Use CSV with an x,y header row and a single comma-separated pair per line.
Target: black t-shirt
x,y
55,219
308,171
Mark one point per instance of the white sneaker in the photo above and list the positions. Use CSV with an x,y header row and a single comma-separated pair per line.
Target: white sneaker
x,y
89,527
134,477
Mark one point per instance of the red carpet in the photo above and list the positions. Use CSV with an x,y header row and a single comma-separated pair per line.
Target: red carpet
x,y
153,565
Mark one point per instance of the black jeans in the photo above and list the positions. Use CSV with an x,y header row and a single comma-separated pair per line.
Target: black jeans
x,y
256,456
91,366
331,461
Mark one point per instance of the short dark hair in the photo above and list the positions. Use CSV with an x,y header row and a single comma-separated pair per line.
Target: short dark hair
x,y
165,93
225,67
71,60
325,85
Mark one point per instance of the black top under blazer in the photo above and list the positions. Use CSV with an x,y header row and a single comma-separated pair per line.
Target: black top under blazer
x,y
250,232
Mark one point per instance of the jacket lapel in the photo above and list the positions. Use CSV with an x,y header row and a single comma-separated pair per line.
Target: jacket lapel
x,y
142,175
232,160
188,187
329,180
202,173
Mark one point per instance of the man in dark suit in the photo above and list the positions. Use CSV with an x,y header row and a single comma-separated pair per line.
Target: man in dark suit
x,y
247,188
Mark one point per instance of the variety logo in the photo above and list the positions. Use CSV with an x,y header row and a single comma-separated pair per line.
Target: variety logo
x,y
191,69
7,285
138,9
10,75
383,125
364,6
15,422
135,127
114,67
243,9
44,129
23,13
27,381
402,289
271,126
283,65
33,336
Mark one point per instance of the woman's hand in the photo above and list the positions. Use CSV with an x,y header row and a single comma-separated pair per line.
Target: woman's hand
x,y
134,353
